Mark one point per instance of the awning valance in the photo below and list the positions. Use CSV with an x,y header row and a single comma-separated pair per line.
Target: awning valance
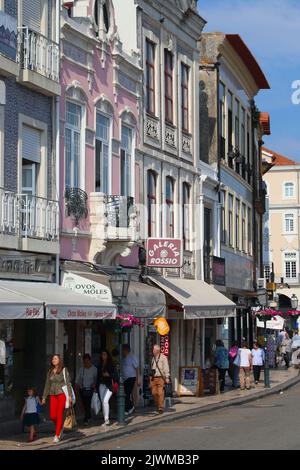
x,y
32,299
143,301
196,298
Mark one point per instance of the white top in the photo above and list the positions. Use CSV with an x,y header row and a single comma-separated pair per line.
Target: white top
x,y
2,352
87,377
258,356
129,366
244,357
30,405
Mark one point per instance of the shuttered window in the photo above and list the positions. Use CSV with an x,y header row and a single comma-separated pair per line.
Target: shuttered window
x,y
32,14
31,144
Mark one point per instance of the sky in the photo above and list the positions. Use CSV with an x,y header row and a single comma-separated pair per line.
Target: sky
x,y
271,30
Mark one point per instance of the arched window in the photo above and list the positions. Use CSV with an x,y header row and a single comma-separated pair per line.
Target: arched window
x,y
289,190
186,216
151,202
169,207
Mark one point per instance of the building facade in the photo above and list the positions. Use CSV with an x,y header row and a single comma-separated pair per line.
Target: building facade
x,y
230,135
29,211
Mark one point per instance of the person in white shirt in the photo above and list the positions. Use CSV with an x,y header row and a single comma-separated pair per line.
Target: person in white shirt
x,y
130,375
258,360
86,383
245,364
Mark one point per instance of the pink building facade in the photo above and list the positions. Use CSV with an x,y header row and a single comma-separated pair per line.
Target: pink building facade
x,y
99,116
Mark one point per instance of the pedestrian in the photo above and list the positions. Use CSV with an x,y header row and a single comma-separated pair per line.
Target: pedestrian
x,y
159,376
30,416
86,384
286,349
130,375
57,378
221,362
245,365
233,369
106,377
258,360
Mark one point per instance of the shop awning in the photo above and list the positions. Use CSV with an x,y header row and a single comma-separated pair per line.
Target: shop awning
x,y
196,298
143,301
57,302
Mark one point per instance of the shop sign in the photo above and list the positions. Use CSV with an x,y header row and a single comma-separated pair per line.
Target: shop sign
x,y
165,345
84,286
162,326
61,313
190,381
277,323
164,253
15,312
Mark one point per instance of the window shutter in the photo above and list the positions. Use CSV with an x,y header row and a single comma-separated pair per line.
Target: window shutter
x,y
32,14
31,144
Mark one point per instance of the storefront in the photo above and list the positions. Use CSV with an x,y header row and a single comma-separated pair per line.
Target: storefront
x,y
196,313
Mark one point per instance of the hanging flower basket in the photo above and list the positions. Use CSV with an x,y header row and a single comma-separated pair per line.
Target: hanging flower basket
x,y
262,317
267,314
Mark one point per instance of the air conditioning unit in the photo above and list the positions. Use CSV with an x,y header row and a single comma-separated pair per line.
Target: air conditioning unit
x,y
261,283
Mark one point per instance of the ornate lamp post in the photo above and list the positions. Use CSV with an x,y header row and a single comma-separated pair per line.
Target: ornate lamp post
x,y
119,285
294,302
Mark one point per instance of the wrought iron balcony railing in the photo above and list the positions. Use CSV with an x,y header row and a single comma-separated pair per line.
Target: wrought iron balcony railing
x,y
119,210
38,53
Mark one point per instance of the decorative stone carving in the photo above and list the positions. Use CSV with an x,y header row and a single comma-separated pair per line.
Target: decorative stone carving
x,y
188,265
151,128
170,136
186,144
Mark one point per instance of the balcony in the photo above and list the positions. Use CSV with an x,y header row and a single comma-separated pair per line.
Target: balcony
x,y
8,45
29,223
113,218
39,61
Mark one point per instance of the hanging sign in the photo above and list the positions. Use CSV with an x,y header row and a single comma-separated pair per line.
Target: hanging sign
x,y
164,253
165,345
162,326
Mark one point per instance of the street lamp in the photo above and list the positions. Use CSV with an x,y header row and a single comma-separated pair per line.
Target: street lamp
x,y
294,302
119,285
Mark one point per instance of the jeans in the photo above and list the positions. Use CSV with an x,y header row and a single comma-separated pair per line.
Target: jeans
x,y
128,388
86,398
222,374
287,358
105,395
256,373
57,408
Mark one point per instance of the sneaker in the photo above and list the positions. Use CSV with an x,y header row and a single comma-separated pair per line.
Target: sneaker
x,y
131,411
56,439
106,423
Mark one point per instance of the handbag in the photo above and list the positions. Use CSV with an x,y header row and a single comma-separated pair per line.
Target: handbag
x,y
66,391
70,420
237,361
168,390
96,403
115,387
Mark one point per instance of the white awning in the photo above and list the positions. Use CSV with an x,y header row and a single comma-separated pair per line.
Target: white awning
x,y
57,302
142,301
197,298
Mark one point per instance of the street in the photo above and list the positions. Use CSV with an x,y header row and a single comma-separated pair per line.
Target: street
x,y
268,424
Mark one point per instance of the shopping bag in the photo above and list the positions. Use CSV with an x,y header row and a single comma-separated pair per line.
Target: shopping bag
x,y
70,420
96,403
66,392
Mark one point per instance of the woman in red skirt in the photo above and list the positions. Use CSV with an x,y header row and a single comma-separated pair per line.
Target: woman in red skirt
x,y
57,378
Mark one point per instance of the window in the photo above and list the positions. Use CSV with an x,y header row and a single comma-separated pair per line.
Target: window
x,y
150,77
289,190
126,157
289,223
290,269
248,156
249,231
168,86
244,227
169,207
102,154
104,15
186,216
223,222
237,223
230,219
72,144
230,126
237,124
222,115
33,14
151,201
185,97
267,272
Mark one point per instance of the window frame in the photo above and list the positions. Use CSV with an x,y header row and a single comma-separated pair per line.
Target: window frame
x,y
230,221
186,216
152,204
148,66
289,184
169,94
185,97
107,142
289,222
79,131
170,215
128,189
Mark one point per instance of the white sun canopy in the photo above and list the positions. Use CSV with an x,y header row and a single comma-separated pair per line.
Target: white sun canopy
x,y
32,299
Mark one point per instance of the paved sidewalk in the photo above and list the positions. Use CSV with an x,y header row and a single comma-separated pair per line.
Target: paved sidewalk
x,y
146,417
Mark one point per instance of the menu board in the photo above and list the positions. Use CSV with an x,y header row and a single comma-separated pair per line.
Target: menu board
x,y
190,381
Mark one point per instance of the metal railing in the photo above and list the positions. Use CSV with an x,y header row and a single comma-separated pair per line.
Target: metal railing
x,y
38,53
39,217
8,212
28,216
119,210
